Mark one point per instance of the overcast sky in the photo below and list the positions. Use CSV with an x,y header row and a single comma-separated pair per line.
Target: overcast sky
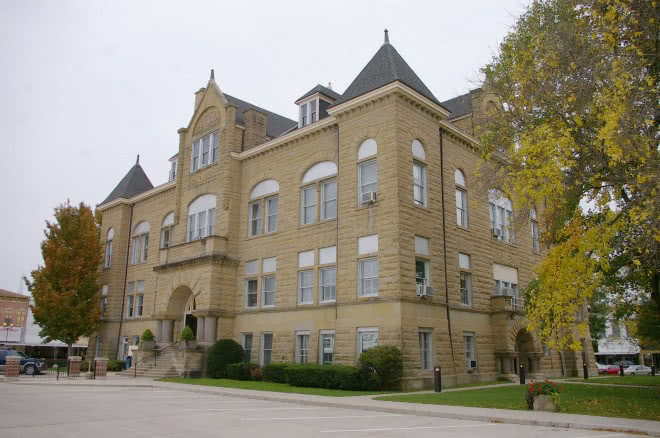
x,y
87,85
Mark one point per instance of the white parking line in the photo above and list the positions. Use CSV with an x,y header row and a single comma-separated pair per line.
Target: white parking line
x,y
601,436
386,429
248,409
178,402
320,418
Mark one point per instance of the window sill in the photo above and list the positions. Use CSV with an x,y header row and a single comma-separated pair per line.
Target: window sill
x,y
322,303
204,167
324,221
461,227
251,309
269,306
421,207
305,304
366,206
509,243
256,236
366,297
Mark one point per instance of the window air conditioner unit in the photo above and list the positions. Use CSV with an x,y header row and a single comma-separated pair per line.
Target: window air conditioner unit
x,y
429,291
368,198
473,364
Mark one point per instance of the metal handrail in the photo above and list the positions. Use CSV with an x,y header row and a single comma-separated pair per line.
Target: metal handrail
x,y
155,355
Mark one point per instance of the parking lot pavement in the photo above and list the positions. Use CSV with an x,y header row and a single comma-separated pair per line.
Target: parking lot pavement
x,y
66,411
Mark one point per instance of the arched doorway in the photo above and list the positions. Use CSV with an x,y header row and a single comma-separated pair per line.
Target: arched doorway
x,y
189,319
525,352
180,309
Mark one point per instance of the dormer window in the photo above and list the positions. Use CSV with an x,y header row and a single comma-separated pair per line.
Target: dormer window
x,y
173,168
205,151
309,112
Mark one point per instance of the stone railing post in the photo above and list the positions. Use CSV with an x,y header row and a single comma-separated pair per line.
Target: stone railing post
x,y
101,367
74,366
12,368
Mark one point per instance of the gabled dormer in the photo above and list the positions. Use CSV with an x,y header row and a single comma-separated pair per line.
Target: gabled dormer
x,y
313,105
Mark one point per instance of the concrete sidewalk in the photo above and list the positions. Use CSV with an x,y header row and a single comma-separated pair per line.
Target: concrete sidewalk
x,y
547,419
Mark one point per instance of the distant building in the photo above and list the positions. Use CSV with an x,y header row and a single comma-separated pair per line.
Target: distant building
x,y
13,313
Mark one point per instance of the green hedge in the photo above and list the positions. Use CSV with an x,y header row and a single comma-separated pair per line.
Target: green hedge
x,y
243,371
275,372
221,354
116,365
382,363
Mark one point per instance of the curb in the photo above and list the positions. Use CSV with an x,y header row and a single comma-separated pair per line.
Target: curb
x,y
413,410
96,385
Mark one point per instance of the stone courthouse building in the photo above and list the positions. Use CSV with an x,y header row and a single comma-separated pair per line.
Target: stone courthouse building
x,y
313,240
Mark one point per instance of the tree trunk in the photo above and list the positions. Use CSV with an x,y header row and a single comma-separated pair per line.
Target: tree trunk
x,y
69,350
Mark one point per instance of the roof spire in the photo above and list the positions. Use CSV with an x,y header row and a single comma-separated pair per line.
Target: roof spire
x,y
387,37
212,75
137,162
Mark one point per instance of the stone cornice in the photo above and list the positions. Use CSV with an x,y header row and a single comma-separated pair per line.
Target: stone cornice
x,y
141,197
218,259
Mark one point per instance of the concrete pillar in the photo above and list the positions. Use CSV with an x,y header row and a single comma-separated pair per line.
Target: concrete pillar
x,y
210,323
74,366
101,367
159,330
166,329
12,368
200,329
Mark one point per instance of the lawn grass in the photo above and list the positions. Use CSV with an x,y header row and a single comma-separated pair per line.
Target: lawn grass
x,y
268,386
639,403
489,383
625,380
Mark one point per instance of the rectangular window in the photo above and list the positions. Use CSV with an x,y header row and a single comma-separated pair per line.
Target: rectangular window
x,y
419,184
272,207
501,223
329,200
135,255
326,346
466,288
194,165
422,268
269,291
368,271
104,300
367,338
131,306
367,178
308,205
303,114
251,292
306,287
201,224
216,146
139,298
425,349
165,237
211,222
302,347
461,208
108,253
191,227
328,284
145,248
312,111
173,171
266,348
255,218
470,350
247,347
535,236
206,150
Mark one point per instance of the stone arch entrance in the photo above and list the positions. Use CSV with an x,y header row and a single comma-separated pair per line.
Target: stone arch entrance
x,y
180,308
189,318
524,348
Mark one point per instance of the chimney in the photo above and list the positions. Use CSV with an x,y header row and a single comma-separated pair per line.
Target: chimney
x,y
255,128
198,97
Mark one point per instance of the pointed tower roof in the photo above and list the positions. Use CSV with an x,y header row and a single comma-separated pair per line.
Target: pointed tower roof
x,y
385,67
134,183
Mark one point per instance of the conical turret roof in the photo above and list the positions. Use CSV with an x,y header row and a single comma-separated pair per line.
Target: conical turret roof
x,y
132,184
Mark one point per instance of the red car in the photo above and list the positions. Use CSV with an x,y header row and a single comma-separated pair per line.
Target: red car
x,y
613,369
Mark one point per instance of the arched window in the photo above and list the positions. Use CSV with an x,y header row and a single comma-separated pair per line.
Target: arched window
x,y
501,216
320,178
419,174
167,230
367,172
140,243
535,230
108,247
461,199
201,218
263,197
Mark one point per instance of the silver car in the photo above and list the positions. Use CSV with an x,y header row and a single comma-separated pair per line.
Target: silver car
x,y
639,370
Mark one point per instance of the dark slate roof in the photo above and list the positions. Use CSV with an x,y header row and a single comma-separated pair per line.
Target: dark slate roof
x,y
134,183
385,67
323,90
459,105
275,125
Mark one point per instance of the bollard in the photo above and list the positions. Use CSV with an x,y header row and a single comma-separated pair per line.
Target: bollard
x,y
621,369
652,368
522,374
438,379
586,371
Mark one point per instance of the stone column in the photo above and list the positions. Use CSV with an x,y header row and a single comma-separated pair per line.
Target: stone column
x,y
12,368
166,330
101,367
210,323
74,366
159,330
199,336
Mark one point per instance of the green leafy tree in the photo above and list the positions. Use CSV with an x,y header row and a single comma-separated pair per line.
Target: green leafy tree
x,y
576,138
65,289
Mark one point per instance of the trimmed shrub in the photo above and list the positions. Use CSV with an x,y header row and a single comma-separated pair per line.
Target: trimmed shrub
x,y
147,335
116,365
275,372
241,371
327,376
385,362
187,334
221,354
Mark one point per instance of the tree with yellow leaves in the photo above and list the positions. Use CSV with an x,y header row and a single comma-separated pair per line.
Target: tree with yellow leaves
x,y
577,138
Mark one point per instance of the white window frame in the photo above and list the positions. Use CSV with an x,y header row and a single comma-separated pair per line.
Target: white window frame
x,y
462,210
329,334
302,340
501,216
130,301
365,331
263,349
247,352
361,185
247,293
536,244
325,202
465,291
332,287
305,204
166,236
265,291
362,278
199,152
271,218
426,350
306,114
420,184
103,302
173,170
470,348
201,218
108,248
254,221
302,273
427,271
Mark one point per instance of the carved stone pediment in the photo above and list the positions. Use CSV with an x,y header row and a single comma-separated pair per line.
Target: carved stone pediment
x,y
207,122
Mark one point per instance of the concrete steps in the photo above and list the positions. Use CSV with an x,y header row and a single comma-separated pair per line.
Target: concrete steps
x,y
169,363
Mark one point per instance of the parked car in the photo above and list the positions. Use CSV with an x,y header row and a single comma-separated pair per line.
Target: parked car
x,y
29,365
602,369
625,363
614,369
639,370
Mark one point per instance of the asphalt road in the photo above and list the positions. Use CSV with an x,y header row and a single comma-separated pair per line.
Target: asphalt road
x,y
68,411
